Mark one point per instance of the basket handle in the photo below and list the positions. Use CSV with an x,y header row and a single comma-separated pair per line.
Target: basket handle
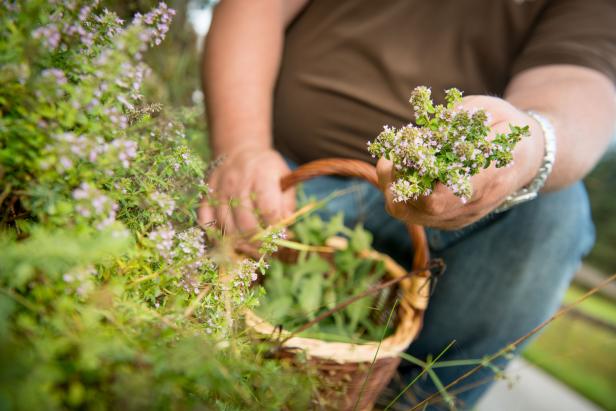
x,y
366,171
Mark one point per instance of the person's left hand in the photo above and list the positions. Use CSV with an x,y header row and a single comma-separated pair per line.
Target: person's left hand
x,y
442,209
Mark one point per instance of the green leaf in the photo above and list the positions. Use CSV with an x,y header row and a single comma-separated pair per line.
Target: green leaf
x,y
310,230
334,226
310,295
276,310
313,264
277,284
346,261
358,311
340,320
329,298
362,272
316,264
361,239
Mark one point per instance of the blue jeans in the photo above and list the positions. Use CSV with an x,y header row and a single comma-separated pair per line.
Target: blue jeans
x,y
505,275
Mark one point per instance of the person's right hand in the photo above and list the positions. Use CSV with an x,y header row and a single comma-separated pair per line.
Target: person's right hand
x,y
247,185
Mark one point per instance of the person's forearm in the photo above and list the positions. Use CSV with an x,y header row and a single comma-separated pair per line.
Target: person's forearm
x,y
241,59
581,104
241,56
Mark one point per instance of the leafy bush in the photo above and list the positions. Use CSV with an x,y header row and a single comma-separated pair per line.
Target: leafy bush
x,y
109,296
600,185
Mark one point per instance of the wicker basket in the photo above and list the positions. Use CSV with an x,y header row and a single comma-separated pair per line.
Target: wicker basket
x,y
355,374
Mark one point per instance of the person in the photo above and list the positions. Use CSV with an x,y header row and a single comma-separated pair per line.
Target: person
x,y
290,81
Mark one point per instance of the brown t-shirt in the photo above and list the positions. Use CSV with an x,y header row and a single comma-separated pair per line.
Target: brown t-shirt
x,y
349,65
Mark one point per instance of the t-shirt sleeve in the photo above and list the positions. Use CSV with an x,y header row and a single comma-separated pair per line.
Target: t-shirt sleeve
x,y
578,32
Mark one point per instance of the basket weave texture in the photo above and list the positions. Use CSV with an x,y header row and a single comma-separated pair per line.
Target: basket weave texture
x,y
353,375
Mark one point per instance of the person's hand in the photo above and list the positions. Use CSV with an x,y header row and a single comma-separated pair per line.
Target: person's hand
x,y
247,186
442,209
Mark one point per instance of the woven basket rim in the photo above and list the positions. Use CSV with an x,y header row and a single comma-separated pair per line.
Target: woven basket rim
x,y
415,293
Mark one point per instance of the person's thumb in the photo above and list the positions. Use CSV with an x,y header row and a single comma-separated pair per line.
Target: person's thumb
x,y
384,171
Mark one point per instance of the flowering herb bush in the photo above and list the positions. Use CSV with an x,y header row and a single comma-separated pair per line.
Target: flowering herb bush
x,y
110,297
448,145
299,291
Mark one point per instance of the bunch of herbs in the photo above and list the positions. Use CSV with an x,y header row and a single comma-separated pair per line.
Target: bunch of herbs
x,y
448,144
299,291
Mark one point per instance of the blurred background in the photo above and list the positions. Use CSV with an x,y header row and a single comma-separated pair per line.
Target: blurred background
x,y
572,364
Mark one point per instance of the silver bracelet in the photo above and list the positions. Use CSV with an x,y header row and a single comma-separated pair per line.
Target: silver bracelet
x,y
531,191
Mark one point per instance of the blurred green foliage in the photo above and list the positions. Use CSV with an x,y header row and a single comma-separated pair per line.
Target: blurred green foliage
x,y
580,354
601,185
109,296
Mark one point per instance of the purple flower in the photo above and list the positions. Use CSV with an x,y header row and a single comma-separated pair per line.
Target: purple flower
x,y
164,202
65,163
84,13
50,35
125,150
164,239
56,74
157,22
92,203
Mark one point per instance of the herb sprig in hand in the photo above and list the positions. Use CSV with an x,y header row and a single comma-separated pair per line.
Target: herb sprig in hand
x,y
448,145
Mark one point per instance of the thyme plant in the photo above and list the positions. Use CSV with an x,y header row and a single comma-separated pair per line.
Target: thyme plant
x,y
448,144
110,295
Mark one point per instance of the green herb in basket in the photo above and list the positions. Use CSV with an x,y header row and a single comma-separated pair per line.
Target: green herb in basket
x,y
314,282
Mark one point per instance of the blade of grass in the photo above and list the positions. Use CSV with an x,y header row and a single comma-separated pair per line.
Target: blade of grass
x,y
376,353
441,389
304,247
414,360
425,369
457,363
519,341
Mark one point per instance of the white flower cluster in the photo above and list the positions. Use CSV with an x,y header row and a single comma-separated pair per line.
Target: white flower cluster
x,y
184,254
81,280
448,145
163,237
164,202
191,250
184,158
124,150
91,203
68,149
269,239
244,274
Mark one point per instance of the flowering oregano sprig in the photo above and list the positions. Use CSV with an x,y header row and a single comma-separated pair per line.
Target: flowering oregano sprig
x,y
447,145
269,240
